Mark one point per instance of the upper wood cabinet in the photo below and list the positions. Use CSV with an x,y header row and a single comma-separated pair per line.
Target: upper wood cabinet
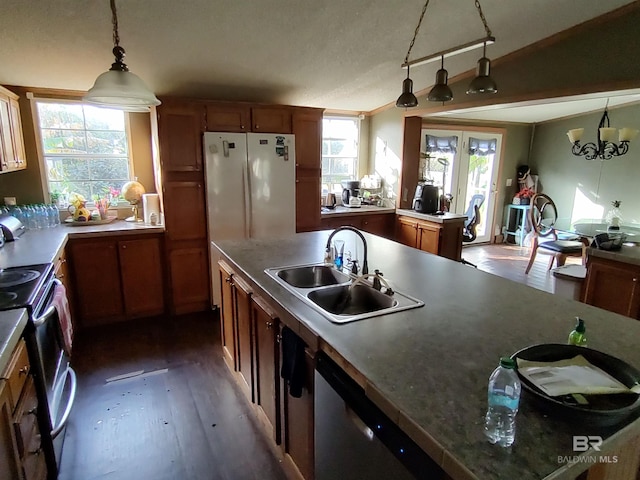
x,y
271,119
180,130
12,156
228,118
307,127
184,210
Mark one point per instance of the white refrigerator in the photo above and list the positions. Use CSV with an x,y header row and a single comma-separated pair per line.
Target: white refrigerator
x,y
250,184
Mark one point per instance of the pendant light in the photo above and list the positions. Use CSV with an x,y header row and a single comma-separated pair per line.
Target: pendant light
x,y
483,83
407,99
119,88
441,91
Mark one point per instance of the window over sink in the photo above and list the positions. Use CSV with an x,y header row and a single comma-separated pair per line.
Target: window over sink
x,y
340,142
85,149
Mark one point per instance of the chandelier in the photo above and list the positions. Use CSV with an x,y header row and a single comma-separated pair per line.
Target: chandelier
x,y
605,148
441,92
118,87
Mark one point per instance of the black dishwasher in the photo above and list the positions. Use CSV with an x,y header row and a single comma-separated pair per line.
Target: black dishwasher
x,y
354,439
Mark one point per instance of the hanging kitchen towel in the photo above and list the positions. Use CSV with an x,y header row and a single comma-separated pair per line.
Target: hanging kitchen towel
x,y
293,362
61,304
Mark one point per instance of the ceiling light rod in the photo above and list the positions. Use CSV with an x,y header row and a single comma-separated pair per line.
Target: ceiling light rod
x,y
605,148
466,47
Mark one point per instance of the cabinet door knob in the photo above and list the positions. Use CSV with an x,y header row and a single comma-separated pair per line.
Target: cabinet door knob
x,y
635,279
278,338
24,370
228,279
124,246
242,127
269,325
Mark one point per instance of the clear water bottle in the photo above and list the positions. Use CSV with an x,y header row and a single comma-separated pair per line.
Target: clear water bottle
x,y
503,397
30,217
54,215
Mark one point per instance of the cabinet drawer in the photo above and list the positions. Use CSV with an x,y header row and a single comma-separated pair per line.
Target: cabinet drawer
x,y
17,372
25,420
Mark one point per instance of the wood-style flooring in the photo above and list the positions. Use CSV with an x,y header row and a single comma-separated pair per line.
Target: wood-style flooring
x,y
178,416
510,261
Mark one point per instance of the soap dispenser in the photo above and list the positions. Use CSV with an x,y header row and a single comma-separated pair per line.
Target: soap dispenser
x,y
577,336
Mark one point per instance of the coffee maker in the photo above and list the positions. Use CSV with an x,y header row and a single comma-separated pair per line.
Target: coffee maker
x,y
350,189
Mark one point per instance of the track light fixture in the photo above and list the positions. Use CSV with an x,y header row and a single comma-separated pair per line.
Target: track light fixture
x,y
441,92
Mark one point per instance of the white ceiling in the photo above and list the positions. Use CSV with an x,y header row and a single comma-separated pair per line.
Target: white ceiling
x,y
545,110
336,54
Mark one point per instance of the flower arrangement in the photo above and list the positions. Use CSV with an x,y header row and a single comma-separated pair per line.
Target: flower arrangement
x,y
114,196
526,192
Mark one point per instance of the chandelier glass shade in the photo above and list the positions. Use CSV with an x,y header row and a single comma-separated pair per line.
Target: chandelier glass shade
x,y
606,147
118,87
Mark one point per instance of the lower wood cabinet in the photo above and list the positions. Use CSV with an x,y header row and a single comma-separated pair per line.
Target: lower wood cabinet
x,y
613,286
380,224
116,278
251,333
444,239
21,455
189,273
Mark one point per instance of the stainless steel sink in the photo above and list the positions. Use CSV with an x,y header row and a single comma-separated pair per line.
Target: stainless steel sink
x,y
330,292
310,276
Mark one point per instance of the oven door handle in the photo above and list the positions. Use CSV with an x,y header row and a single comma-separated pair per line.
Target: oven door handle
x,y
50,309
72,396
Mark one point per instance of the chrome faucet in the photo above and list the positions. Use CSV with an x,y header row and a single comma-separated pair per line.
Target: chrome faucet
x,y
365,266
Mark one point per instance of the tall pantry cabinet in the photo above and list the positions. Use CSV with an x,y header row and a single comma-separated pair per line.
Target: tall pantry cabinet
x,y
181,125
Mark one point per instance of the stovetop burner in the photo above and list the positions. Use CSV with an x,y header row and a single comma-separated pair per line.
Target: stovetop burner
x,y
20,287
12,278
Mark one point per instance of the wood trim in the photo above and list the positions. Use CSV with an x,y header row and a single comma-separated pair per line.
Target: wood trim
x,y
464,128
410,160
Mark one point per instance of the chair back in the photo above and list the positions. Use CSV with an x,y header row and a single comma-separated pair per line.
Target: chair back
x,y
476,201
469,230
543,215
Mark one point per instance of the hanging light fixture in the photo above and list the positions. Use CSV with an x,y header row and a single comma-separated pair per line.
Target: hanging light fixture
x,y
441,91
118,87
407,99
605,148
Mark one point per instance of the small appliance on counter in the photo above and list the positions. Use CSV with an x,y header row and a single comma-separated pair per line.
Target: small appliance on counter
x,y
350,188
427,198
11,227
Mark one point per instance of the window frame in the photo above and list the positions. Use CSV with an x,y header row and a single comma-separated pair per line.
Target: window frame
x,y
44,176
356,167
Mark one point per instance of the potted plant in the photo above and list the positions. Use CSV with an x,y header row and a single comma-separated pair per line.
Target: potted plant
x,y
523,197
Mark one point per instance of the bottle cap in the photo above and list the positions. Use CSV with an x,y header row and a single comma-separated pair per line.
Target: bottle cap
x,y
580,328
508,362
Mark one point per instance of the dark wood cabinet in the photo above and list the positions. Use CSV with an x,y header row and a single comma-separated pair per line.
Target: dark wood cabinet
x,y
267,373
185,217
307,127
228,118
243,321
271,119
189,275
613,286
227,315
21,454
180,128
298,418
443,239
141,274
380,224
116,278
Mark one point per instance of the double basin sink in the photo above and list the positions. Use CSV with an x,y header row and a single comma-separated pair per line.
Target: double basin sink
x,y
337,295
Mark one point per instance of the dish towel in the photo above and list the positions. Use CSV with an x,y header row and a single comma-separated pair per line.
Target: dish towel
x,y
293,362
61,304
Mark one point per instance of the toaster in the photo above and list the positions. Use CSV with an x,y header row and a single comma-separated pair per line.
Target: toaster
x,y
11,227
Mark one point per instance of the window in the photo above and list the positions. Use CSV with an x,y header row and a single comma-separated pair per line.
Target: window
x,y
85,148
339,152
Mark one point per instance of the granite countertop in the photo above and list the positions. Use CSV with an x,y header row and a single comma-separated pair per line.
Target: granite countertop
x,y
627,254
446,218
12,323
428,368
45,245
342,211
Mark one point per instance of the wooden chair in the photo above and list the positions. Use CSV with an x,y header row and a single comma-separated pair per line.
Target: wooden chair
x,y
542,216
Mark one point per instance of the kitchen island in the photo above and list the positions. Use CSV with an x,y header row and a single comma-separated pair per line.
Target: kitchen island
x,y
427,368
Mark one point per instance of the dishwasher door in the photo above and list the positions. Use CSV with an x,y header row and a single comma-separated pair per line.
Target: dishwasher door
x,y
354,440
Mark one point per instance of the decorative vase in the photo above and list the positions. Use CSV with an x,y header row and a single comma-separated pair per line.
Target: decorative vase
x,y
614,216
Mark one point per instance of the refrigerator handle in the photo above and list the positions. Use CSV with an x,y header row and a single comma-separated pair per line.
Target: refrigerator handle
x,y
246,185
225,148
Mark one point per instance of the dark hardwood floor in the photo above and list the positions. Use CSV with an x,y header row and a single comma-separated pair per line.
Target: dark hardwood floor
x,y
174,412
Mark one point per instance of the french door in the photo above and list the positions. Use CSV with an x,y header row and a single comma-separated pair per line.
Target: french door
x,y
464,164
